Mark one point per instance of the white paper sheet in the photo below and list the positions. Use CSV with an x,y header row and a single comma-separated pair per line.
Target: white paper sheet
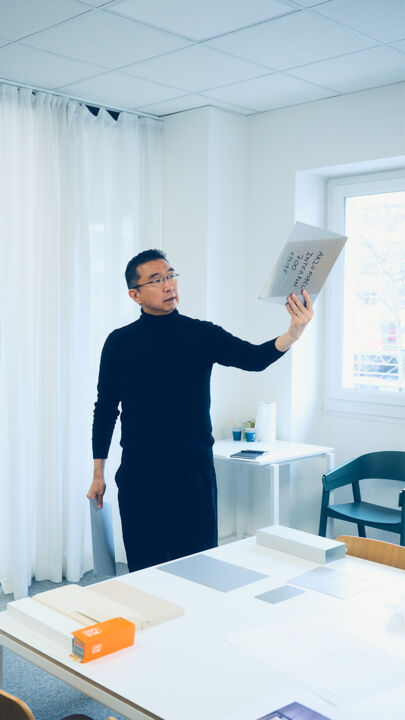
x,y
330,662
305,262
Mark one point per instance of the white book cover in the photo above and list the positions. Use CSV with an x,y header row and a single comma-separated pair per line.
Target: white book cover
x,y
304,263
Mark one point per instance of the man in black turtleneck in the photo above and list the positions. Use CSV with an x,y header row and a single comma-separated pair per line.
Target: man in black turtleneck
x,y
159,369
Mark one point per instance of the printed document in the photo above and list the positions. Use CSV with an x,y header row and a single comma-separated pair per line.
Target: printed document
x,y
304,263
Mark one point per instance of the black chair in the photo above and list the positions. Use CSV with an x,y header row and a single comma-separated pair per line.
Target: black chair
x,y
387,465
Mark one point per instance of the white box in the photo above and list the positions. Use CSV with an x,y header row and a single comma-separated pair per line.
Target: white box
x,y
40,620
302,544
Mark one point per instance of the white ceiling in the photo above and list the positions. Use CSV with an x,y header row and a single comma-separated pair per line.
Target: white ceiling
x,y
165,56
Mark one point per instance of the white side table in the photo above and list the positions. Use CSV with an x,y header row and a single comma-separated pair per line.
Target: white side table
x,y
282,452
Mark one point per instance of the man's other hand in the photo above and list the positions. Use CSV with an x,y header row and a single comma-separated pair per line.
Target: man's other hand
x,y
97,490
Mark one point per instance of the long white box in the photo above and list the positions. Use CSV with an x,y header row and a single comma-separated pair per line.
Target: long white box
x,y
302,544
49,624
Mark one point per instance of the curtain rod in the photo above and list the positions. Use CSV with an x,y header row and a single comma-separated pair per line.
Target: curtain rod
x,y
114,112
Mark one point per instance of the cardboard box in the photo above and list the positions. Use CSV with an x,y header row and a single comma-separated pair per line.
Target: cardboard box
x,y
302,544
102,638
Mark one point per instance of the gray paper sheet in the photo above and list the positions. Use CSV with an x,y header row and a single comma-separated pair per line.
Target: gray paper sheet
x,y
332,582
103,539
216,574
284,592
318,578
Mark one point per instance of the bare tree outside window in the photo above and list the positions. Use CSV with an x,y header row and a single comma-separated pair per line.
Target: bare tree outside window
x,y
374,297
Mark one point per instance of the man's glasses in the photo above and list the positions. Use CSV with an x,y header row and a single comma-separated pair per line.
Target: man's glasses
x,y
160,281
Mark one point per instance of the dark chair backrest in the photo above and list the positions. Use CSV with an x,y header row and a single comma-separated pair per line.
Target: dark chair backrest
x,y
386,464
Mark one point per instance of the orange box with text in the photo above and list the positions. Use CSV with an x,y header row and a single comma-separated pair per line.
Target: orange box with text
x,y
102,638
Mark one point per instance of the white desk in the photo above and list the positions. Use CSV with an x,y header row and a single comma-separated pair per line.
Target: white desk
x,y
281,452
189,668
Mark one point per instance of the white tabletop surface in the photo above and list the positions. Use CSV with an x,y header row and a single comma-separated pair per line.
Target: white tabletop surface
x,y
281,451
191,668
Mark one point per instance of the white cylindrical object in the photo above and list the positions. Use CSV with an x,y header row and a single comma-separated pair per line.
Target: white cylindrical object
x,y
266,422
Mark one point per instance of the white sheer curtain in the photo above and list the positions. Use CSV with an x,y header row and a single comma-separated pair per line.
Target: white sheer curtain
x,y
79,196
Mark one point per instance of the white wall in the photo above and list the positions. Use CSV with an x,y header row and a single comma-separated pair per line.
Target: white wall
x,y
204,233
291,152
233,188
185,204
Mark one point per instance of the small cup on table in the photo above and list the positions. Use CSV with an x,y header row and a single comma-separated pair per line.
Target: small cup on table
x,y
237,432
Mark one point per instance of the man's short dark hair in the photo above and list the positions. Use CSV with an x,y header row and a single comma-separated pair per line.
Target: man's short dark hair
x,y
131,273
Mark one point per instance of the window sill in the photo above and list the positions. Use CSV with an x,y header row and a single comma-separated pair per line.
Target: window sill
x,y
381,412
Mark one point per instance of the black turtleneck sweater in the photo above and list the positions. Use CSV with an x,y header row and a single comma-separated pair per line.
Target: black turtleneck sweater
x,y
159,369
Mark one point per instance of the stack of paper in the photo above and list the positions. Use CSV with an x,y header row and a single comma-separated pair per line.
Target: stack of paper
x,y
108,600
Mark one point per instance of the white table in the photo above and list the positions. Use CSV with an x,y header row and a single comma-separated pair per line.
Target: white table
x,y
190,668
282,452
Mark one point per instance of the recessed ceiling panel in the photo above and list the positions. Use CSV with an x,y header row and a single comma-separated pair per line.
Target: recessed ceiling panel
x,y
293,40
196,68
382,19
269,92
366,69
201,20
40,69
105,39
118,90
19,18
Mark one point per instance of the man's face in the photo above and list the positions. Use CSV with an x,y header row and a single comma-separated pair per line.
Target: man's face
x,y
160,299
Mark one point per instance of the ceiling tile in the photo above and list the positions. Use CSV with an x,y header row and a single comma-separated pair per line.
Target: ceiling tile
x,y
184,102
309,3
23,17
201,20
399,45
105,39
41,69
96,3
189,102
382,19
358,71
118,90
196,68
292,40
269,92
222,105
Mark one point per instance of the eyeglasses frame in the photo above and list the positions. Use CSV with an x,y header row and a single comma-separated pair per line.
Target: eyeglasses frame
x,y
158,281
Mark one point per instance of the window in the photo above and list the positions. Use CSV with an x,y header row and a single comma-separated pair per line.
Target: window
x,y
366,298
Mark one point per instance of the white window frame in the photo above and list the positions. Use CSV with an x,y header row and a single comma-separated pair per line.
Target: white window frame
x,y
348,401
